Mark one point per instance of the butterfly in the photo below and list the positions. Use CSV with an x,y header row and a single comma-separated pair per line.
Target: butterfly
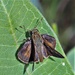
x,y
38,47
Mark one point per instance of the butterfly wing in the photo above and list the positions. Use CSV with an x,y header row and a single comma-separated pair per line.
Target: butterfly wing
x,y
49,39
53,52
44,52
25,52
49,43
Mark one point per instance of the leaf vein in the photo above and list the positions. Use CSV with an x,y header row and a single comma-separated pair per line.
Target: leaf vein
x,y
11,7
13,34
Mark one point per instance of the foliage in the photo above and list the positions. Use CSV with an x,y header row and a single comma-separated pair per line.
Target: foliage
x,y
15,13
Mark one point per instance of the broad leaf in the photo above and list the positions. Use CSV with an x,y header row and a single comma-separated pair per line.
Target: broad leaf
x,y
70,57
15,13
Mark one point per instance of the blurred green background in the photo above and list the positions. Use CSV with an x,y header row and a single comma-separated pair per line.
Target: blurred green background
x,y
60,14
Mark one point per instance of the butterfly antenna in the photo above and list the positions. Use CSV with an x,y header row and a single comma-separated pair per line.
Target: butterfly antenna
x,y
37,23
18,30
23,27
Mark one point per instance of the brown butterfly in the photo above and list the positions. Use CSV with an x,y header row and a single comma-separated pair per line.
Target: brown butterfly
x,y
38,47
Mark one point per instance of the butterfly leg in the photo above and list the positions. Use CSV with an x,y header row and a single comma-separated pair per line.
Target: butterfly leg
x,y
33,67
25,67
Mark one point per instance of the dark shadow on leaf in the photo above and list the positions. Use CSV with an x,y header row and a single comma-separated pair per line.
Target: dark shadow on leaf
x,y
51,58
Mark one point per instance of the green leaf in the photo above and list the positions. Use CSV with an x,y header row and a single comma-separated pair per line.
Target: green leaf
x,y
15,13
70,57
